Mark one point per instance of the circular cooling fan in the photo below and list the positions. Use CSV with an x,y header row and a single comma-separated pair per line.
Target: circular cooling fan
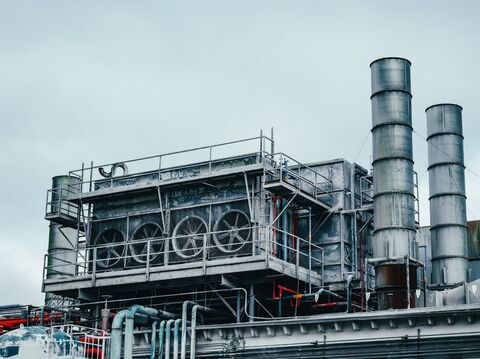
x,y
232,231
188,236
110,247
139,242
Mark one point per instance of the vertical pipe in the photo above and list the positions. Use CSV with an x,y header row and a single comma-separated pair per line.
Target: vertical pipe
x,y
407,268
448,218
129,324
285,230
274,229
193,334
310,251
183,349
393,198
239,307
153,340
193,323
168,329
116,339
251,303
175,338
292,231
161,334
272,141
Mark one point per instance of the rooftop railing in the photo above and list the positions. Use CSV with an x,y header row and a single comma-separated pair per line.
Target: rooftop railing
x,y
197,248
301,176
209,158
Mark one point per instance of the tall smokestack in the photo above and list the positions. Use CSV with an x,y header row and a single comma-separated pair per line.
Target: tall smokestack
x,y
446,172
393,200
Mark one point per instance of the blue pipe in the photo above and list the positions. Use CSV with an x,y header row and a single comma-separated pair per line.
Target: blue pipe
x,y
117,325
183,350
175,338
154,339
168,329
193,333
161,334
136,313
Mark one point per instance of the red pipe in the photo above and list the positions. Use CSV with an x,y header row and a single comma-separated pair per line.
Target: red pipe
x,y
297,296
12,323
328,305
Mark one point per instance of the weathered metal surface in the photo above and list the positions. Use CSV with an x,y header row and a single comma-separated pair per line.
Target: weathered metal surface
x,y
62,240
444,332
423,238
393,179
394,207
390,73
335,234
448,218
474,248
392,286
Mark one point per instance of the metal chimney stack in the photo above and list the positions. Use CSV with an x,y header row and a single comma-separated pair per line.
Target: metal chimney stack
x,y
448,218
393,200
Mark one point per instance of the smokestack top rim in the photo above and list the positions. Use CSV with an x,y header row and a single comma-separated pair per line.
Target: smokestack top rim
x,y
74,176
391,58
444,104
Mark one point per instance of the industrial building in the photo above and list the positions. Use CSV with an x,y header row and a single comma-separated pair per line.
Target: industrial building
x,y
239,250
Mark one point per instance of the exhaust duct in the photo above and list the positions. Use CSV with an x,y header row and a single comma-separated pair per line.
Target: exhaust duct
x,y
446,171
393,200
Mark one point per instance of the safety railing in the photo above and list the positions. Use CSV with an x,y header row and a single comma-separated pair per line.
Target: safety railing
x,y
77,342
58,205
302,177
199,248
366,190
166,167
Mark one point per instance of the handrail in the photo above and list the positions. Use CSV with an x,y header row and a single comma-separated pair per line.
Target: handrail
x,y
89,266
60,205
295,171
282,154
80,173
175,152
162,170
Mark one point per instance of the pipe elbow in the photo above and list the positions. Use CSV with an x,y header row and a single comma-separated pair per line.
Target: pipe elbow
x,y
117,323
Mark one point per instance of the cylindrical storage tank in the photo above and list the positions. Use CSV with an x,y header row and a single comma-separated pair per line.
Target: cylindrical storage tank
x,y
448,217
393,185
62,243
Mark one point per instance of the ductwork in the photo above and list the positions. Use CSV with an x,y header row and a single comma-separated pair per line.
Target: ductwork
x,y
393,199
448,219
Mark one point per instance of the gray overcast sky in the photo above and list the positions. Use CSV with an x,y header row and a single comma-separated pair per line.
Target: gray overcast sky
x,y
113,80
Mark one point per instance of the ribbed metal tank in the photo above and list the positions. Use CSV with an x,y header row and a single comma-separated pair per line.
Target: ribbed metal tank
x,y
62,240
448,218
393,186
394,201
